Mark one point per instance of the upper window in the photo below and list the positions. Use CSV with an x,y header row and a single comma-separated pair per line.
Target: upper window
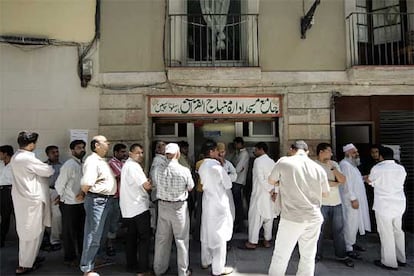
x,y
212,33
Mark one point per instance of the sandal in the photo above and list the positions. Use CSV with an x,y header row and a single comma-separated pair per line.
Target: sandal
x,y
26,270
247,246
348,262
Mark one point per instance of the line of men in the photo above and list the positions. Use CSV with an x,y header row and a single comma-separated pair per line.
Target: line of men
x,y
88,190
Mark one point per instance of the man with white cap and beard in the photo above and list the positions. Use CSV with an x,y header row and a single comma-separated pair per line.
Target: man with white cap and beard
x,y
354,200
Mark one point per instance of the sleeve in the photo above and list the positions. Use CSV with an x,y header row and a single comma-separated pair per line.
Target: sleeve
x,y
90,174
62,179
224,177
190,181
274,175
232,171
348,187
41,169
241,165
373,176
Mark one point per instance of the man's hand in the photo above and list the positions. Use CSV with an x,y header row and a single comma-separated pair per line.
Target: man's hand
x,y
147,185
355,204
80,196
273,195
56,200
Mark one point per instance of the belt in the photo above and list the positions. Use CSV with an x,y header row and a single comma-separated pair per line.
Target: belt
x,y
168,201
99,195
4,187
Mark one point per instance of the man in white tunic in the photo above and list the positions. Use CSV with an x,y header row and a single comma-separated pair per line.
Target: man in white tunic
x,y
354,200
302,184
134,202
31,201
387,178
216,218
261,212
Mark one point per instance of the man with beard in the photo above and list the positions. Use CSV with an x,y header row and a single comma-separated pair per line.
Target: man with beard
x,y
354,200
68,187
31,200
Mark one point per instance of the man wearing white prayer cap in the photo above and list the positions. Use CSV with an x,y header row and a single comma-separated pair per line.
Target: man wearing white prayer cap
x,y
174,182
354,200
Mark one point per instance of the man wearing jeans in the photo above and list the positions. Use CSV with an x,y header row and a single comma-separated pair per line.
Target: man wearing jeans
x,y
302,184
331,205
99,186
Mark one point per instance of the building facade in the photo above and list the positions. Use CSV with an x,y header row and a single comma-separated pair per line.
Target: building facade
x,y
267,70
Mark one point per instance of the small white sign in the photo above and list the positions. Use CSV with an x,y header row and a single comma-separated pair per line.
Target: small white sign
x,y
79,134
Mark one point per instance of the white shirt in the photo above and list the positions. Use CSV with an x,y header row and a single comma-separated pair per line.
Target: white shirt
x,y
387,178
242,166
133,198
98,175
68,183
301,184
230,169
6,176
261,197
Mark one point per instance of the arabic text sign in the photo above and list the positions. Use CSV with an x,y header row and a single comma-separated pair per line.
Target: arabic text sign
x,y
212,106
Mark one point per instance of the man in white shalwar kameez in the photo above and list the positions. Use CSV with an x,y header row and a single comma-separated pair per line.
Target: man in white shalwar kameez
x,y
216,218
31,201
387,178
354,200
261,211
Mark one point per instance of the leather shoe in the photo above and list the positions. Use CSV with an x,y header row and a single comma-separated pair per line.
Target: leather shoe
x,y
401,263
383,266
354,255
357,247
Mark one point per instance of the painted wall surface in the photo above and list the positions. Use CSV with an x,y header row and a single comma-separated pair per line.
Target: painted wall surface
x,y
132,36
65,20
40,91
282,49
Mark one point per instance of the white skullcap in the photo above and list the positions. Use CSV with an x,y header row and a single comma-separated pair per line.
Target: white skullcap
x,y
348,147
172,148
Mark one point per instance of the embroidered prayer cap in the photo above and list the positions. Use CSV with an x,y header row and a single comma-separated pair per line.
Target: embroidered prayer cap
x,y
300,144
221,146
348,147
172,148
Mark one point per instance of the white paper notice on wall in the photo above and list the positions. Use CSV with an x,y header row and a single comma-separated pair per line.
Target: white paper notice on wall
x,y
396,149
79,134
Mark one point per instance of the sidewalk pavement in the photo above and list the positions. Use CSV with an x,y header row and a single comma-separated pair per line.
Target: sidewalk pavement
x,y
244,262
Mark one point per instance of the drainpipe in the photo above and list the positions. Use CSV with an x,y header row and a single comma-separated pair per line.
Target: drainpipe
x,y
334,94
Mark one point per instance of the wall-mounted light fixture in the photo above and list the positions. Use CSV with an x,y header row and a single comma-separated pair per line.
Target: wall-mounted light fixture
x,y
306,21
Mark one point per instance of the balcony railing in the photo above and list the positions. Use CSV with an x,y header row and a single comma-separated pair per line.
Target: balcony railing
x,y
191,41
381,38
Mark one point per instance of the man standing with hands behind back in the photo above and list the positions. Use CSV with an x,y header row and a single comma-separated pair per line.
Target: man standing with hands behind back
x,y
99,186
134,199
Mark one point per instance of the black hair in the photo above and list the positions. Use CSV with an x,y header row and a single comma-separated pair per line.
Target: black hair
x,y
27,137
374,146
386,153
133,146
7,149
207,146
263,146
118,147
74,143
183,144
93,145
49,148
321,147
238,140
